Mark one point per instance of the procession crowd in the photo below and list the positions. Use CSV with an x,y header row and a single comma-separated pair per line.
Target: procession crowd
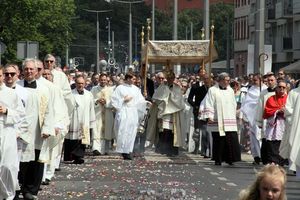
x,y
47,115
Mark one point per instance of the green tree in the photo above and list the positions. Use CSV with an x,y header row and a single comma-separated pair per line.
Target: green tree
x,y
46,22
222,16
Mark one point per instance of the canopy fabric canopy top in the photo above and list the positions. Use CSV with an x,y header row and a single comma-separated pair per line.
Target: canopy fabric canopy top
x,y
293,68
178,51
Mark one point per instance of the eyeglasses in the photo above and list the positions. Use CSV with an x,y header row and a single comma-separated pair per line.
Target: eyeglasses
x,y
49,61
281,87
10,74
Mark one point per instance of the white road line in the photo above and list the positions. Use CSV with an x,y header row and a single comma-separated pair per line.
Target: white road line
x,y
222,178
207,169
231,184
214,173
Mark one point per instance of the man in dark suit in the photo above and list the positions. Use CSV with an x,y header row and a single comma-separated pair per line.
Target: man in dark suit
x,y
197,94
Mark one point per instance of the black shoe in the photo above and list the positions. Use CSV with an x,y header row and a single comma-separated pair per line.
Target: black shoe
x,y
96,153
17,195
28,196
58,169
195,152
126,156
218,163
79,161
256,161
46,182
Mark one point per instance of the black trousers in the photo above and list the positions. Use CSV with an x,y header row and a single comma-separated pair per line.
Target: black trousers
x,y
73,150
32,174
272,152
166,143
226,148
263,151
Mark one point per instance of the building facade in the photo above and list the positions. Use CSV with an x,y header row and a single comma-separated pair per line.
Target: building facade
x,y
282,31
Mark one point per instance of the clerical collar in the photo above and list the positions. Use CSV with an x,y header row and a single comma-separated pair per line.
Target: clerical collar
x,y
30,84
222,88
13,86
271,89
80,92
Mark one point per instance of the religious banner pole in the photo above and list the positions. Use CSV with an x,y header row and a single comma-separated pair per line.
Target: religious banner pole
x,y
211,43
266,57
146,56
203,62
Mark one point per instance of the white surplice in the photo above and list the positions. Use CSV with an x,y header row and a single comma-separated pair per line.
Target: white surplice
x,y
53,144
83,117
9,128
220,106
263,97
41,121
60,79
104,116
294,156
288,137
249,106
127,116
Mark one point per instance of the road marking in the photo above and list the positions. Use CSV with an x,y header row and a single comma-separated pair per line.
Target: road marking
x,y
231,184
214,173
207,168
222,178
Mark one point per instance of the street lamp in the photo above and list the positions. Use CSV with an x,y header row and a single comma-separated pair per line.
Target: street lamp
x,y
67,47
108,37
130,25
97,11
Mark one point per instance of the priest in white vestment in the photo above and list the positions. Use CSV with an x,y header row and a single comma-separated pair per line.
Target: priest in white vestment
x,y
103,133
11,113
289,136
41,127
61,123
130,106
60,79
294,156
220,112
165,124
82,120
24,137
248,106
261,123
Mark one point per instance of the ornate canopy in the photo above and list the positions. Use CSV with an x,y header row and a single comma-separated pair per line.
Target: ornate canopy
x,y
178,51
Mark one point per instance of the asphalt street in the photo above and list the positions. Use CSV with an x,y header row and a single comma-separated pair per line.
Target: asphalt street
x,y
187,176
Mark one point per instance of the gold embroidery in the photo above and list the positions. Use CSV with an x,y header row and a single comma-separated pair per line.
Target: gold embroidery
x,y
42,110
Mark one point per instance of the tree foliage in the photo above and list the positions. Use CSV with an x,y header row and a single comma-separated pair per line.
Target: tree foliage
x,y
46,22
54,25
221,16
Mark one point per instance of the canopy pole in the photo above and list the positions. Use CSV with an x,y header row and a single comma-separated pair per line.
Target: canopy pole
x,y
211,43
146,58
